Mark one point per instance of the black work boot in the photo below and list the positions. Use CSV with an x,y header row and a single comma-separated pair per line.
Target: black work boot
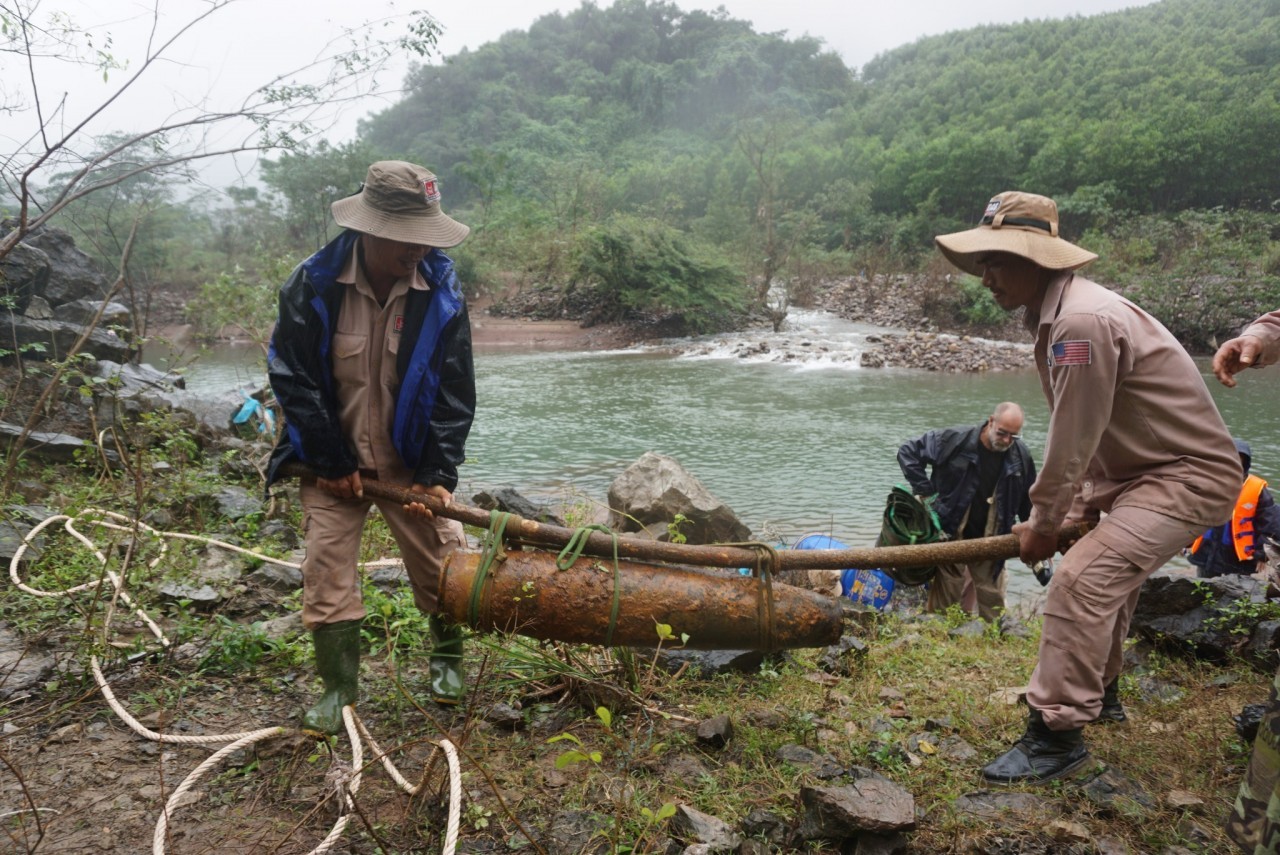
x,y
1112,710
1040,755
338,664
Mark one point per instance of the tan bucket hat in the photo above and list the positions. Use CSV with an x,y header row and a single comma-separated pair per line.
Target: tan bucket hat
x,y
400,201
1019,223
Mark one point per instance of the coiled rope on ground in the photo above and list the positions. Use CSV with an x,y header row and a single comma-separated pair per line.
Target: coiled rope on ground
x,y
347,779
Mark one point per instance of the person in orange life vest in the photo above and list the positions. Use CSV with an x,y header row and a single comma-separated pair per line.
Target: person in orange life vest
x,y
1236,545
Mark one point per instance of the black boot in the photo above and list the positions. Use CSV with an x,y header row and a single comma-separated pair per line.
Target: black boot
x,y
1112,710
1040,755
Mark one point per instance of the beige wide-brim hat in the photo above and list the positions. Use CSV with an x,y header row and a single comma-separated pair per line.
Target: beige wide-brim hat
x,y
1019,223
400,201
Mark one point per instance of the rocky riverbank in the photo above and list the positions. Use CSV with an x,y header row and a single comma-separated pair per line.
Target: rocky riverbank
x,y
907,308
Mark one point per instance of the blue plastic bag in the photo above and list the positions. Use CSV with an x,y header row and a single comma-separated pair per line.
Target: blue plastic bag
x,y
872,587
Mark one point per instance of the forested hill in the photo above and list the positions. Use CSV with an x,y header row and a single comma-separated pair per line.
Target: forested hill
x,y
1156,108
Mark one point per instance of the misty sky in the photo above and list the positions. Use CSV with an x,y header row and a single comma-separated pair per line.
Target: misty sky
x,y
250,42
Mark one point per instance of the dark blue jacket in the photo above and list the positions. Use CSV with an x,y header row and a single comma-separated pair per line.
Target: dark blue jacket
x,y
951,457
1217,553
436,401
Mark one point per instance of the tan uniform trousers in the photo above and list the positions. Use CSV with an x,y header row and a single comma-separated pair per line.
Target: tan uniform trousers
x,y
333,526
970,585
1090,603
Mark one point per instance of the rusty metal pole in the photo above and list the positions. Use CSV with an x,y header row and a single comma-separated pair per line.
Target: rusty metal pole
x,y
522,531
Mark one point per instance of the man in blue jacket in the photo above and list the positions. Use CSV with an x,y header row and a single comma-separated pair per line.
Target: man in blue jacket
x,y
371,364
977,482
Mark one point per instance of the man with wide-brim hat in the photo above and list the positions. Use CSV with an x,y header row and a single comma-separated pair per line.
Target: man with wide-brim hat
x,y
371,363
1133,433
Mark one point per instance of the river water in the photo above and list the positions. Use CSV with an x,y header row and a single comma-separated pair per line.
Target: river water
x,y
796,438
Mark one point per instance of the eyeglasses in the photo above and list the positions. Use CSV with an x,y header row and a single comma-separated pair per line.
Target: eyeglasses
x,y
1004,434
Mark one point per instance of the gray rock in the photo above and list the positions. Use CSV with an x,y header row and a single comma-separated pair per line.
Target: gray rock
x,y
869,804
509,501
39,309
715,732
24,276
824,767
656,488
23,666
1005,808
694,826
236,503
39,339
579,832
275,577
972,629
82,312
283,627
1115,792
72,274
202,596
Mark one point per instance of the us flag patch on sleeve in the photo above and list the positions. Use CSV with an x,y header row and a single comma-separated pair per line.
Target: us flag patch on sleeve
x,y
1070,353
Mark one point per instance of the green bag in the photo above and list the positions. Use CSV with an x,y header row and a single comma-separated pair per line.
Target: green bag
x,y
907,521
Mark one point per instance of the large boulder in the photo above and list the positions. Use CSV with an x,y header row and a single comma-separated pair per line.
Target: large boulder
x,y
72,274
1213,619
24,273
37,339
652,491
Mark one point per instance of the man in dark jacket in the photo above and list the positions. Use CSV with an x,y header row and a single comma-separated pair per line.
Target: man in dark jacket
x,y
1236,546
978,485
371,363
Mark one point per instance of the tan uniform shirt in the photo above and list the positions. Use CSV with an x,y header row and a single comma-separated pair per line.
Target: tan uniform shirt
x,y
366,382
1131,420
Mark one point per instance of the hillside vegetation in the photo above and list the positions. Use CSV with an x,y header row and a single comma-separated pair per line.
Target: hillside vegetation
x,y
1153,127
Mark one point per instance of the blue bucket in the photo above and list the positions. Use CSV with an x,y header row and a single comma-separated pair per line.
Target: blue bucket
x,y
871,587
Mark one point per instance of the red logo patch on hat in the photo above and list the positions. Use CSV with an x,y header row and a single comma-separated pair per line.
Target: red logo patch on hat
x,y
431,189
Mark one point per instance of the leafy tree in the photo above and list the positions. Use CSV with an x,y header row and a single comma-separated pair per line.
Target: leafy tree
x,y
634,267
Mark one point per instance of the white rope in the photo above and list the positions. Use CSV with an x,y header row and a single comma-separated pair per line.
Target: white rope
x,y
343,777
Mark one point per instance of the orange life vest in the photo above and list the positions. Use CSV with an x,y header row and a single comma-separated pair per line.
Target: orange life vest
x,y
1242,518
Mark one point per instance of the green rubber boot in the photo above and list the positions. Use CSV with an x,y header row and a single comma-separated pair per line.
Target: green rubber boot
x,y
338,664
448,683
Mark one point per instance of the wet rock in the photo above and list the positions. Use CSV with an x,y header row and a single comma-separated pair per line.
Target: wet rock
x,y
1206,618
708,663
1005,808
275,577
580,832
880,844
82,312
656,488
505,716
765,825
510,501
24,276
694,826
236,503
72,274
1248,720
39,339
283,627
823,766
870,804
972,629
715,732
1115,792
23,665
840,658
202,597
